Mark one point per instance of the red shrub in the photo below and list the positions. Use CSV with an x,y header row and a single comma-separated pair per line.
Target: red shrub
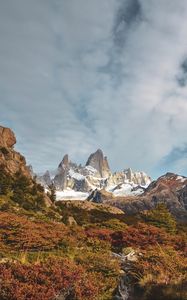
x,y
140,236
46,281
100,233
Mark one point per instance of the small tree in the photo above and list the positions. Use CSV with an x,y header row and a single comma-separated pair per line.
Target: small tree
x,y
162,218
52,192
5,181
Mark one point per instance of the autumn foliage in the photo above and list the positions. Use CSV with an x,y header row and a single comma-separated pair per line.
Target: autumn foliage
x,y
44,258
46,281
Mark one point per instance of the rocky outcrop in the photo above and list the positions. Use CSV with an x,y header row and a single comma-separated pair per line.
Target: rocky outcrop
x,y
70,175
7,137
71,221
100,163
30,168
125,288
99,196
183,196
60,179
139,178
11,160
45,179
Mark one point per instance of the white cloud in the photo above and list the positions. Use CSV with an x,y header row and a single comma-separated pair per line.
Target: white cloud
x,y
68,85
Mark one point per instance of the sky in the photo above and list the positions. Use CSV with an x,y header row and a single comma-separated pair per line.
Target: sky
x,y
78,75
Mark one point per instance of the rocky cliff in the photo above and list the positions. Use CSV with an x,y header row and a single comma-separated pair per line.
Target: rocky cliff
x,y
100,163
13,163
10,159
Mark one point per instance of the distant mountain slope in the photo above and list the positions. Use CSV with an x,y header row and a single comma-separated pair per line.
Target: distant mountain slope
x,y
170,189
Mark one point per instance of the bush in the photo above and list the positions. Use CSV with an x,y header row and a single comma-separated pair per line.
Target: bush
x,y
6,181
27,193
162,274
162,218
115,224
4,150
46,281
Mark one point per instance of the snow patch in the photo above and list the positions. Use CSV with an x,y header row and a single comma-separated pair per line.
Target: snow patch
x,y
182,179
70,194
126,189
91,169
76,175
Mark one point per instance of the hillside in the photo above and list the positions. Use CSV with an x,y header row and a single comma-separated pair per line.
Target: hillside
x,y
169,189
80,250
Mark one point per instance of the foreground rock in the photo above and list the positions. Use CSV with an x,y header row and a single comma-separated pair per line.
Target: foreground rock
x,y
10,159
124,290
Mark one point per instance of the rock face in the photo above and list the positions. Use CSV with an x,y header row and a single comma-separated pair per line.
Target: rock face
x,y
99,196
170,189
137,177
45,179
99,162
71,221
60,179
69,175
11,160
7,137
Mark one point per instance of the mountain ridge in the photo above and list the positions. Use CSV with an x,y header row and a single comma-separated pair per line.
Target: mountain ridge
x,y
95,174
169,189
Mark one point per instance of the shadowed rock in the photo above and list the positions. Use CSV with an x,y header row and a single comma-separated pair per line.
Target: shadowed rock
x,y
99,162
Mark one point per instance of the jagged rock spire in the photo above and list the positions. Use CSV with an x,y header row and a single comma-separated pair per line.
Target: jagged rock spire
x,y
99,162
64,163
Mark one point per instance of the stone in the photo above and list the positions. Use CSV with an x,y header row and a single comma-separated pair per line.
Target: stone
x,y
71,221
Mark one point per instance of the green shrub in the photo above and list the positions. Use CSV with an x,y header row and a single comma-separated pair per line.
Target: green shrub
x,y
161,217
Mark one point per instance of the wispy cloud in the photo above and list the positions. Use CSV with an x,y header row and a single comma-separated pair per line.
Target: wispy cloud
x,y
80,74
128,16
176,160
182,76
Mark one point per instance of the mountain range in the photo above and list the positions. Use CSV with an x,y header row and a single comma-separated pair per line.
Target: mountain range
x,y
77,181
129,191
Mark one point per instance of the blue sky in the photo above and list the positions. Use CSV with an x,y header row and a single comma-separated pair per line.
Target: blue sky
x,y
77,75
